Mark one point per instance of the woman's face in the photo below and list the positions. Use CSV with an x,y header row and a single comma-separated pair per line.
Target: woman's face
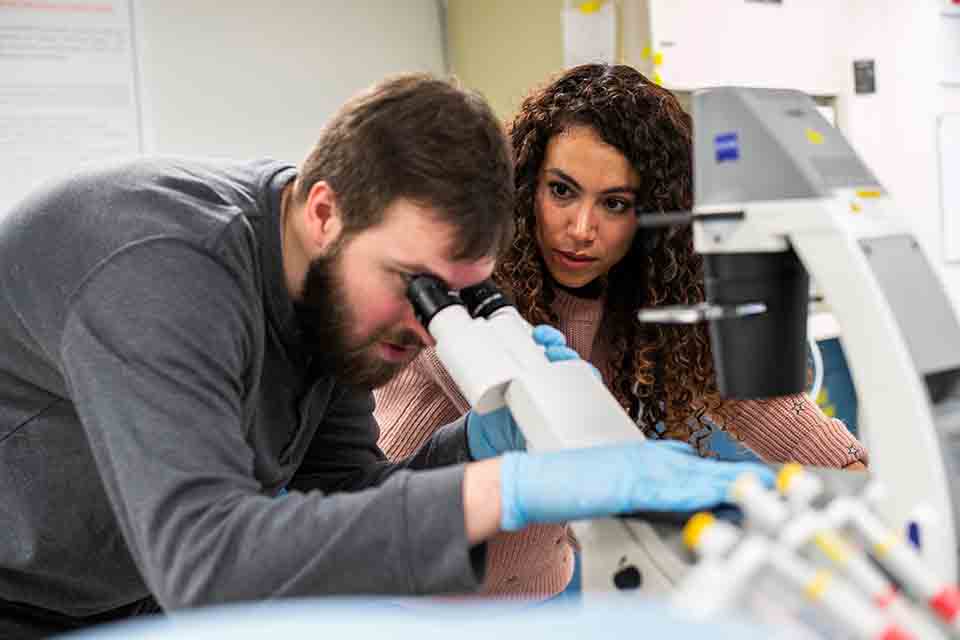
x,y
584,206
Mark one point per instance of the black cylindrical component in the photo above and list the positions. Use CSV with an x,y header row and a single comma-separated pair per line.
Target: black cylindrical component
x,y
764,355
628,578
483,299
428,295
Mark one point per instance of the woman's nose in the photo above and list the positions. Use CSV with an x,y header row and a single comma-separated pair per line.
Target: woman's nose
x,y
582,226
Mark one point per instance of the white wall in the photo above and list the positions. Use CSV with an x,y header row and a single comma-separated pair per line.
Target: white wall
x,y
811,45
895,129
792,45
252,78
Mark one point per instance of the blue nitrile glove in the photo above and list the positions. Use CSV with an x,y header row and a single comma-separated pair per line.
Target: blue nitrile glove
x,y
648,475
491,434
678,445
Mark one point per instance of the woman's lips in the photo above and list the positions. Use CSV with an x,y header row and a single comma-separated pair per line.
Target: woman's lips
x,y
574,260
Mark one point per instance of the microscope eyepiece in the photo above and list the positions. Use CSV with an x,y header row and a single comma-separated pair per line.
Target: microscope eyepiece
x,y
429,295
483,299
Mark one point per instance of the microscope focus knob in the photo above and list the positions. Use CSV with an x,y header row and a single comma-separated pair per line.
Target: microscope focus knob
x,y
628,578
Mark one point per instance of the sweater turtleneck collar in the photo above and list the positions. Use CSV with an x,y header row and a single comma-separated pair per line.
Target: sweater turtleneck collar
x,y
593,290
575,308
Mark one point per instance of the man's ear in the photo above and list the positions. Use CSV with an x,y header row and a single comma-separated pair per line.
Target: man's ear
x,y
323,222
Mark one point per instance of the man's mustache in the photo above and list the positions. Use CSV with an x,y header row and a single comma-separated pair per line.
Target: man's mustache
x,y
405,338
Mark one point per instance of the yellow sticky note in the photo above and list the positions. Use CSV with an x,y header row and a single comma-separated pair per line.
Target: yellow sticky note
x,y
590,7
814,136
645,53
869,193
657,79
658,58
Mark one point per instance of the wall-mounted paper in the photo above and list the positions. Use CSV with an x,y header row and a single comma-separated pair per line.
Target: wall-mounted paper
x,y
589,33
948,147
68,89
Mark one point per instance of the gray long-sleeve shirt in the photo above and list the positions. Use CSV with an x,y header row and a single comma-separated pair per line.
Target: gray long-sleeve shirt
x,y
153,400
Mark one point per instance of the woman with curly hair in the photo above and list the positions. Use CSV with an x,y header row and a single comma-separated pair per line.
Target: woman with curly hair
x,y
588,148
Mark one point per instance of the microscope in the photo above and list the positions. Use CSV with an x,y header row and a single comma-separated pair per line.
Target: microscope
x,y
779,196
487,348
779,193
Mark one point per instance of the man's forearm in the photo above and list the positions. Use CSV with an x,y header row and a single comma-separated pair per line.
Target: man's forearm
x,y
481,499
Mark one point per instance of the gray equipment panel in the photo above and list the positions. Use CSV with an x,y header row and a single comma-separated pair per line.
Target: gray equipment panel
x,y
918,302
752,145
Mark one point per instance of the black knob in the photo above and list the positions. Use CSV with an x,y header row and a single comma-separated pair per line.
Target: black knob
x,y
628,578
483,299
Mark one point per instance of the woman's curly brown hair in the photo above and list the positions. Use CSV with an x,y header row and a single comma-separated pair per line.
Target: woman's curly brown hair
x,y
661,373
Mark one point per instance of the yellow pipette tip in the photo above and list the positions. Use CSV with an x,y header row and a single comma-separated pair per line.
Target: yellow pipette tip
x,y
693,530
786,476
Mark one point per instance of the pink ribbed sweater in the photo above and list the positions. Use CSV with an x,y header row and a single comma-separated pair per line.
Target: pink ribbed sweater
x,y
538,561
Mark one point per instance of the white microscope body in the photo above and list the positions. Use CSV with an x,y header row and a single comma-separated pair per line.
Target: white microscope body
x,y
770,156
487,348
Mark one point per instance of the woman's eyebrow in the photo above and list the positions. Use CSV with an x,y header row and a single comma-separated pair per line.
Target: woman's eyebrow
x,y
618,189
565,177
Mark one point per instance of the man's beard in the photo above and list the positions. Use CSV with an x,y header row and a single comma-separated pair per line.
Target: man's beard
x,y
325,322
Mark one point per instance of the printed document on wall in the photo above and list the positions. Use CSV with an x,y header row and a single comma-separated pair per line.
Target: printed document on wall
x,y
589,33
68,89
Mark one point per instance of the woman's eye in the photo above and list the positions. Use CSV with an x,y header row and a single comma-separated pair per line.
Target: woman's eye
x,y
559,189
617,205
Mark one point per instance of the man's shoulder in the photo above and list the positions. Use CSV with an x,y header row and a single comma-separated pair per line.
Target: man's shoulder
x,y
193,197
93,217
150,196
212,205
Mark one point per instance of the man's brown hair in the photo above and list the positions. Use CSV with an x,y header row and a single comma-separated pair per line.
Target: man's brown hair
x,y
424,139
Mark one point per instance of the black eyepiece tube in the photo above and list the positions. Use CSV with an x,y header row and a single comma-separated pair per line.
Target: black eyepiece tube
x,y
429,295
765,355
483,299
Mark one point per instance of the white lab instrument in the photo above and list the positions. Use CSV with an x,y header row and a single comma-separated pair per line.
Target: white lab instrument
x,y
486,347
731,568
849,512
779,193
813,533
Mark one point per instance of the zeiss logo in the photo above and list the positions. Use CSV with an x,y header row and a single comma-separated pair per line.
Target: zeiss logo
x,y
727,147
